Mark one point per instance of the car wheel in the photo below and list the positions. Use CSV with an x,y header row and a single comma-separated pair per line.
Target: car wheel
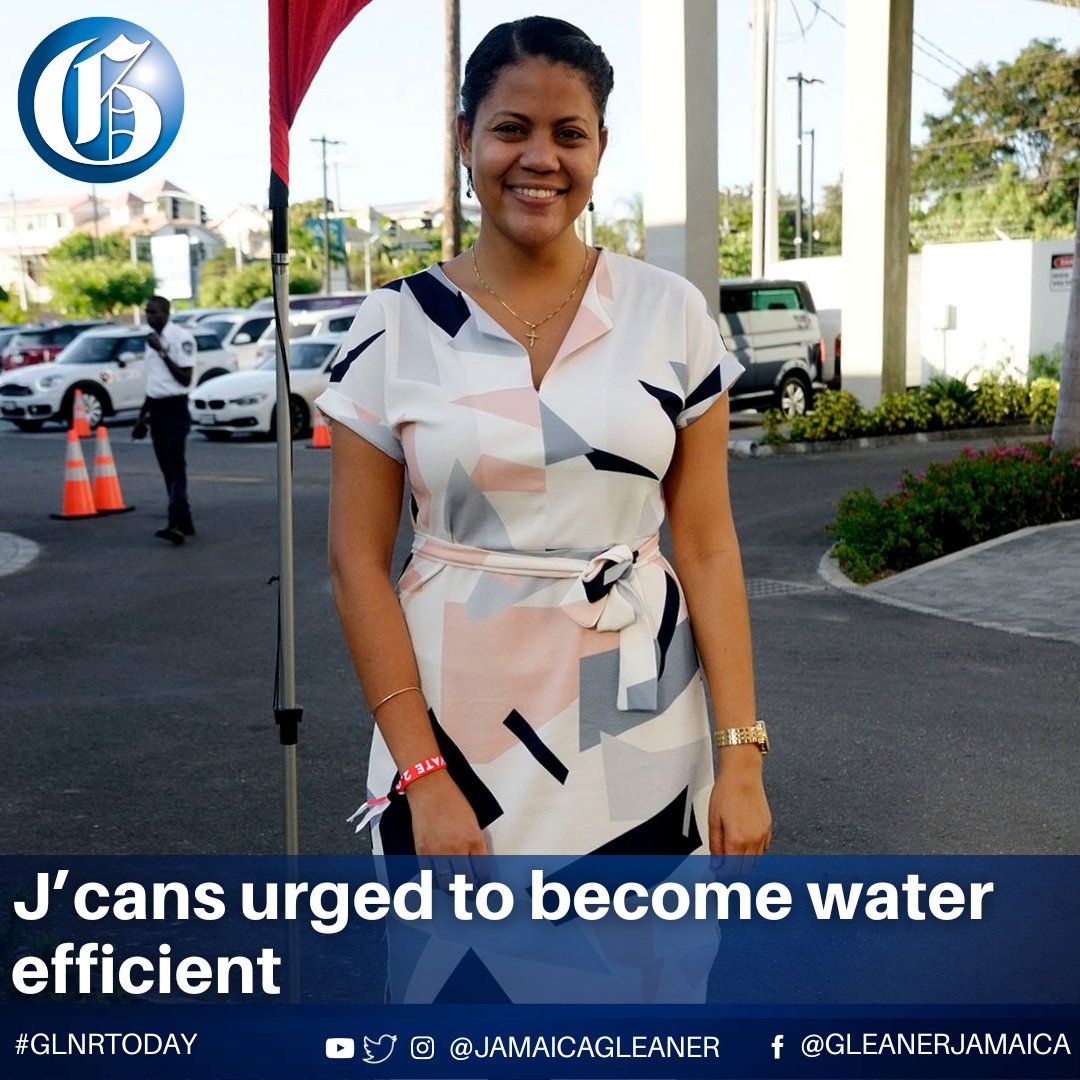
x,y
29,425
95,402
298,418
217,436
794,395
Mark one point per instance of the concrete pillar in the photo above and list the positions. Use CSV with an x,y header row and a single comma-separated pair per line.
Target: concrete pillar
x,y
766,218
877,169
679,118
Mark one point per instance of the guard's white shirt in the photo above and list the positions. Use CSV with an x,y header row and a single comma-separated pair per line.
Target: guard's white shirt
x,y
180,345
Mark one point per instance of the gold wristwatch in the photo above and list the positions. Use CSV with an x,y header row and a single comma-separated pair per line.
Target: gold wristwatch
x,y
740,736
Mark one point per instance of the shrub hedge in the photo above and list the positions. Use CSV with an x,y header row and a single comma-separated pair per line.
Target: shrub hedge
x,y
942,404
952,506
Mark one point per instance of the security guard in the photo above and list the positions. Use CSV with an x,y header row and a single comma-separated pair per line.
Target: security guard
x,y
170,365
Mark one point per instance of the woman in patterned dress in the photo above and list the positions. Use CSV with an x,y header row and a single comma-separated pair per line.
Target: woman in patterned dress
x,y
549,402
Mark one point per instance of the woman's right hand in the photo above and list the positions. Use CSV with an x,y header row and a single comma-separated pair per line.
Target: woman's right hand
x,y
443,821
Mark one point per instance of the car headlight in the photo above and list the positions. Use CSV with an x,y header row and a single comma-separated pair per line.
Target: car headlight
x,y
47,382
251,399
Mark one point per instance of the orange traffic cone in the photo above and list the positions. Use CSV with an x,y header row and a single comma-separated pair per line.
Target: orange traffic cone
x,y
78,495
107,496
320,433
79,420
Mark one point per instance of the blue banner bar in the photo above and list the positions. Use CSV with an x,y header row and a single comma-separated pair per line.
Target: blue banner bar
x,y
544,1041
591,967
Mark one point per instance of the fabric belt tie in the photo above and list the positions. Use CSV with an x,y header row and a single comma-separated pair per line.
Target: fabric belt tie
x,y
605,594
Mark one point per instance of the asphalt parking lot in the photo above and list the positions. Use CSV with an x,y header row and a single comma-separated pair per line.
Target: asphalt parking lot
x,y
137,678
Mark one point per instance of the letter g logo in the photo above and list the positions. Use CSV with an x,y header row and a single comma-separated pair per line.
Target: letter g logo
x,y
101,100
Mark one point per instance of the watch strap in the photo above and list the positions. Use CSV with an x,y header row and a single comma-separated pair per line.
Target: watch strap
x,y
741,736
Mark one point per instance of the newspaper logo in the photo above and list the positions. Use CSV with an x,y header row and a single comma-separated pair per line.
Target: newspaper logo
x,y
101,100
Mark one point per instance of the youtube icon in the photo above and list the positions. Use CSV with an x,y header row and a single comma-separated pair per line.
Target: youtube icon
x,y
340,1048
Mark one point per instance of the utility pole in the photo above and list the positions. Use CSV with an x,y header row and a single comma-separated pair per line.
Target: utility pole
x,y
24,301
97,230
336,160
451,225
326,203
800,81
810,231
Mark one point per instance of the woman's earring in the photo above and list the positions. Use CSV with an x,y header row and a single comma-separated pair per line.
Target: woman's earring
x,y
592,205
468,187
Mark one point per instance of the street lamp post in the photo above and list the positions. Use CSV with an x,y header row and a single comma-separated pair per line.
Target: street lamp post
x,y
326,203
800,80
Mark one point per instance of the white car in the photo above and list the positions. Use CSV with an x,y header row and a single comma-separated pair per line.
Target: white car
x,y
332,321
239,331
107,365
247,401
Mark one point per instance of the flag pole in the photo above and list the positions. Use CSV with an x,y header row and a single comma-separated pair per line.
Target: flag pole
x,y
287,714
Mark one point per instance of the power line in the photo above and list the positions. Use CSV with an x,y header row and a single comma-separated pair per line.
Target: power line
x,y
932,82
948,56
997,137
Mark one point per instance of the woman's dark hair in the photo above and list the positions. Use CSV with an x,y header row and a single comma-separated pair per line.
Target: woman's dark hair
x,y
554,40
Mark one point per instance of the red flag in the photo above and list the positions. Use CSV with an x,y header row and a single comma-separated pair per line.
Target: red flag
x,y
301,33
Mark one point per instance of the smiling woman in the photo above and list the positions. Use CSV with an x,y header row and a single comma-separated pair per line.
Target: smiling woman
x,y
534,677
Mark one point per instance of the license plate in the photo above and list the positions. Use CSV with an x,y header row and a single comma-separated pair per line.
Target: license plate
x,y
205,418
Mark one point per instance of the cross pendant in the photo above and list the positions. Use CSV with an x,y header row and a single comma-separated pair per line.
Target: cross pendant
x,y
532,335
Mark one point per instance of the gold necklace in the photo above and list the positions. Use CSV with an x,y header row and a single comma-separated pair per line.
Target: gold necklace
x,y
532,335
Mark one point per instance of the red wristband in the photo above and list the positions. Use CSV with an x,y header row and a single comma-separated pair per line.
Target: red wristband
x,y
421,768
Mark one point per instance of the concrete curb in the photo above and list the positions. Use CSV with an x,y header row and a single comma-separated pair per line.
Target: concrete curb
x,y
16,553
743,448
829,570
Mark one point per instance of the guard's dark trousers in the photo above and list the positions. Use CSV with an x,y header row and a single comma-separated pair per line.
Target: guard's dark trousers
x,y
169,426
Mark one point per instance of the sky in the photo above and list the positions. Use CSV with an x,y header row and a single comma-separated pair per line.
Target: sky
x,y
380,90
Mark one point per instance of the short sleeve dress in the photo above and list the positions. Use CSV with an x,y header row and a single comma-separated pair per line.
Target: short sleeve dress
x,y
552,638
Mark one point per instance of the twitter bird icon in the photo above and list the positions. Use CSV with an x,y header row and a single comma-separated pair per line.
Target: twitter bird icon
x,y
376,1051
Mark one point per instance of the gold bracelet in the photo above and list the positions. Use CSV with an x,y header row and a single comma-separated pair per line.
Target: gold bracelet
x,y
403,690
755,735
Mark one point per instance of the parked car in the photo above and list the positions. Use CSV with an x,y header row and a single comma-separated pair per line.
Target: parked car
x,y
312,302
247,401
107,365
7,332
198,314
334,321
42,342
239,332
772,328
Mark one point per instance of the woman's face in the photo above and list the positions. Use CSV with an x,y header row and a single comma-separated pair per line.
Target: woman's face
x,y
534,150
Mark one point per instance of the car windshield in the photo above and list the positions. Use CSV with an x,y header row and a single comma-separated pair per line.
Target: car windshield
x,y
219,326
303,355
29,340
90,349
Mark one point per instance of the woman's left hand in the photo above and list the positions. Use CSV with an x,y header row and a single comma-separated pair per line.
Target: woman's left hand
x,y
739,819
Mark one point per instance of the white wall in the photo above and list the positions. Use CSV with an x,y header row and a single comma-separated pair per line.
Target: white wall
x,y
989,286
1049,294
1010,303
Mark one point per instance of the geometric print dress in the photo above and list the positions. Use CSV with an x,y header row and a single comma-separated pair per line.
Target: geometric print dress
x,y
554,649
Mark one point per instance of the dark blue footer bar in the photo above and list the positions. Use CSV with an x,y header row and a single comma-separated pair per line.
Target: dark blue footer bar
x,y
540,1041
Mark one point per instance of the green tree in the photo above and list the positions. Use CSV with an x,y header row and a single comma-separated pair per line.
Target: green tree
x,y
79,247
241,288
624,234
1009,145
736,232
829,221
98,287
